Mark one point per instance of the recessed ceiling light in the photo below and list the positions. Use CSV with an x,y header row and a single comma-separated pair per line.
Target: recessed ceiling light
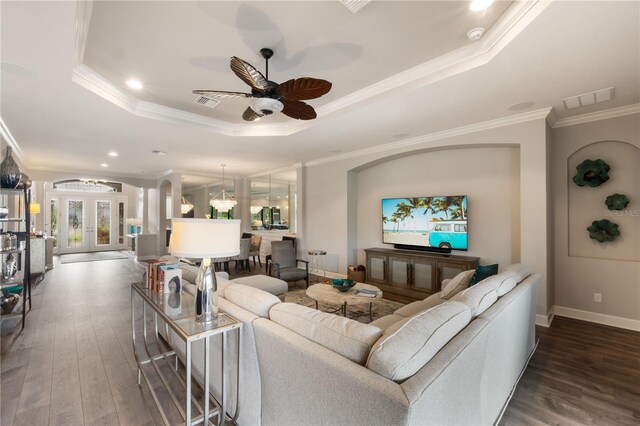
x,y
134,84
479,5
475,34
113,154
104,165
158,152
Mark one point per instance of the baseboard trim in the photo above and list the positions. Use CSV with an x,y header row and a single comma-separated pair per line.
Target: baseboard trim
x,y
545,321
604,319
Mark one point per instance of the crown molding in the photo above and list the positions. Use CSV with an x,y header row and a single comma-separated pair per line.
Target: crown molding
x,y
147,181
84,9
276,170
17,152
457,131
596,116
515,19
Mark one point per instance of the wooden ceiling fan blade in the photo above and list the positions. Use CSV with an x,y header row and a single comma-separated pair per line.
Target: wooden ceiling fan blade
x,y
250,115
300,89
217,94
298,110
247,73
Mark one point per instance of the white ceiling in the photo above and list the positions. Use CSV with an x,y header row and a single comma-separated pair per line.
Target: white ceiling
x,y
542,55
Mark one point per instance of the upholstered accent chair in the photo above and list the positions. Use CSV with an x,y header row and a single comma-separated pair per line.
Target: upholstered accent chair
x,y
284,264
242,260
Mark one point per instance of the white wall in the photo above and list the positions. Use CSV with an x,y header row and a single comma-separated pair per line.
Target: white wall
x,y
489,176
328,189
578,278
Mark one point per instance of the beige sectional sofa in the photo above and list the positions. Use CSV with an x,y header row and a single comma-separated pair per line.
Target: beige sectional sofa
x,y
435,361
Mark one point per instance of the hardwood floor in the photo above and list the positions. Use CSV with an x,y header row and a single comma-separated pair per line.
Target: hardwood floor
x,y
581,373
73,363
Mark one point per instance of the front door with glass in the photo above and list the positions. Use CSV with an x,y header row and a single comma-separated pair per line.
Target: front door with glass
x,y
86,223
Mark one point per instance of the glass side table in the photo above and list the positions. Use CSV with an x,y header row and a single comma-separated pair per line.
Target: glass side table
x,y
178,313
317,262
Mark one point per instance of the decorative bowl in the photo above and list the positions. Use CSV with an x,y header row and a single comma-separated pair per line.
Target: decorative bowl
x,y
343,285
8,303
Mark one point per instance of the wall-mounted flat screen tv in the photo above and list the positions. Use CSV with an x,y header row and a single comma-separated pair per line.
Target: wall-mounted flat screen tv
x,y
439,221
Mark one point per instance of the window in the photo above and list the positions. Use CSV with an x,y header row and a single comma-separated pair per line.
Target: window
x,y
89,185
460,228
442,228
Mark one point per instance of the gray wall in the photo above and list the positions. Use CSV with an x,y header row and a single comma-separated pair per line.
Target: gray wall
x,y
489,176
331,186
590,267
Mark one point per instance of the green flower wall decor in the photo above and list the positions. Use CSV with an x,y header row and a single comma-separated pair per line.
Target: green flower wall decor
x,y
603,230
617,202
592,173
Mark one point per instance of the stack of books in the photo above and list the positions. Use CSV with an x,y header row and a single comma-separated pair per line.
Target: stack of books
x,y
366,292
164,277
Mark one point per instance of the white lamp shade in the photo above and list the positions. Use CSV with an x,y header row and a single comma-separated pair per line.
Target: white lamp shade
x,y
204,238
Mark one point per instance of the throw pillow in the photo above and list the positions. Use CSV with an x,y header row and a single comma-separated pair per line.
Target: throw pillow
x,y
457,284
482,272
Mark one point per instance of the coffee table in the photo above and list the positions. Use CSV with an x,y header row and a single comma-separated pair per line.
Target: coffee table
x,y
327,294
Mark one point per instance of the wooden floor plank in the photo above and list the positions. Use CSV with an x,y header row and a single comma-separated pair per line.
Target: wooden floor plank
x,y
97,401
123,383
66,395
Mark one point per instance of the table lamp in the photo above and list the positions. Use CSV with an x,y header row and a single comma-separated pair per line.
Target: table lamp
x,y
206,239
34,209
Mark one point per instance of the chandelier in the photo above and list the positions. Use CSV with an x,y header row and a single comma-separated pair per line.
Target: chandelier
x,y
185,206
222,201
255,207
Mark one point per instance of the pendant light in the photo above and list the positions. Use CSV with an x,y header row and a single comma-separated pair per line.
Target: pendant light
x,y
185,206
223,201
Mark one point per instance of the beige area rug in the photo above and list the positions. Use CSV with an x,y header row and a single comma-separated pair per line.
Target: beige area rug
x,y
359,313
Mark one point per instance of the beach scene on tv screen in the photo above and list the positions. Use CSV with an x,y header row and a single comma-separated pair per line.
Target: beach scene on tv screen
x,y
426,221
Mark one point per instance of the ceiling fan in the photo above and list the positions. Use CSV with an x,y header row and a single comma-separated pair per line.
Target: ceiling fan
x,y
268,97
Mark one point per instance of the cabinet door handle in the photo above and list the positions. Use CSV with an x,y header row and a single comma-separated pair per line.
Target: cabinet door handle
x,y
384,269
408,274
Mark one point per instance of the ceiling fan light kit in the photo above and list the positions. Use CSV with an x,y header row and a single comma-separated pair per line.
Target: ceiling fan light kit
x,y
268,97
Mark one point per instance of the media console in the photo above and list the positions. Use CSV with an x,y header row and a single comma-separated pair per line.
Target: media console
x,y
409,275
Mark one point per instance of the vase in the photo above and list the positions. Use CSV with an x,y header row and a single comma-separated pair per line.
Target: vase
x,y
9,171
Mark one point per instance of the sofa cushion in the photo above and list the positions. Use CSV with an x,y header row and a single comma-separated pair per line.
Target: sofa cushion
x,y
421,305
266,283
521,270
387,321
483,272
349,338
504,282
293,274
457,284
252,299
479,297
406,346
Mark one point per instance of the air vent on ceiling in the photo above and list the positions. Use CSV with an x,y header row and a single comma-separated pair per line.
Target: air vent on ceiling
x,y
210,103
354,5
602,95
